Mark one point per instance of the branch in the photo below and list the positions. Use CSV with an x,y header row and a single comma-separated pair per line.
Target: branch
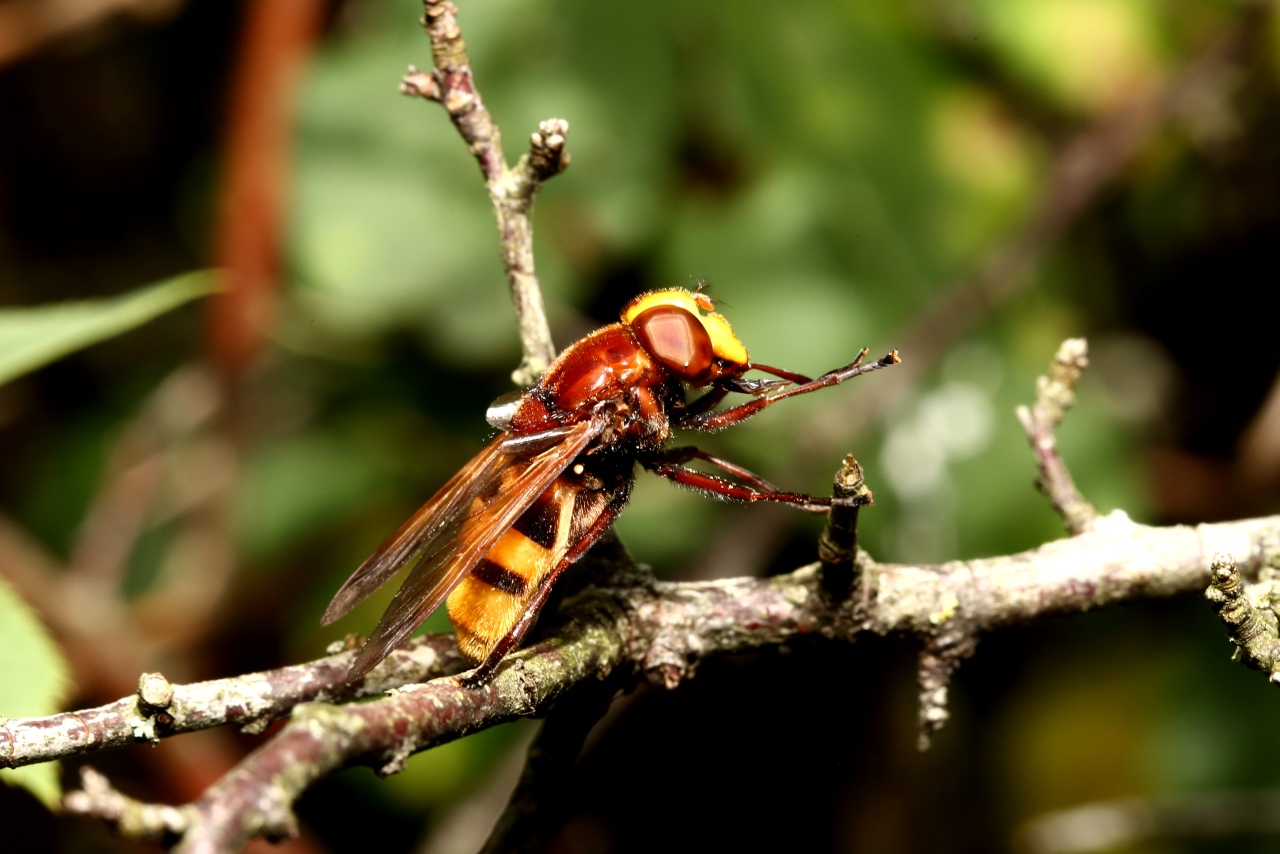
x,y
252,702
662,631
511,190
275,40
131,818
1055,394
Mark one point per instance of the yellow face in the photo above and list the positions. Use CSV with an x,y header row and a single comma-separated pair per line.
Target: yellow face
x,y
724,344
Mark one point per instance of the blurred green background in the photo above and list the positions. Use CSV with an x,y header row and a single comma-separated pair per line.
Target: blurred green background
x,y
843,174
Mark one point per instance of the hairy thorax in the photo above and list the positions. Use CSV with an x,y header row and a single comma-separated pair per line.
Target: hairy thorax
x,y
609,373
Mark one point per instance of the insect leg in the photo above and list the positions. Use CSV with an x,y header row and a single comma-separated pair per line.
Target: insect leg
x,y
718,487
707,401
484,674
684,454
779,372
725,417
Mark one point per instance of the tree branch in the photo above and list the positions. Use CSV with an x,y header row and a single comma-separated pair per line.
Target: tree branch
x,y
662,631
512,190
252,702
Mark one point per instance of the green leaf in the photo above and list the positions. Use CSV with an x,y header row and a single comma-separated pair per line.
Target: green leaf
x,y
33,682
33,337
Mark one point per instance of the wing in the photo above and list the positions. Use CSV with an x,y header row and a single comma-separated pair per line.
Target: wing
x,y
453,531
441,515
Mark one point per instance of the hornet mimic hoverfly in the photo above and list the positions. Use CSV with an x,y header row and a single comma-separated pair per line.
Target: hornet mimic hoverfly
x,y
494,539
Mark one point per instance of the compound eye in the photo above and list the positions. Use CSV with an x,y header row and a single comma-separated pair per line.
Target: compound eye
x,y
677,340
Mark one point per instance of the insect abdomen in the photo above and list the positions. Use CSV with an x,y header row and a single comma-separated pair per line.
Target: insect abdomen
x,y
489,601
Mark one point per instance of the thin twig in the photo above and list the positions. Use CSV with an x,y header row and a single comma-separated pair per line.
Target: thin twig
x,y
511,190
1055,394
130,817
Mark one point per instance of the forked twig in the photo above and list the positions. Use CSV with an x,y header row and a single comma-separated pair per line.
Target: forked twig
x,y
511,190
1055,394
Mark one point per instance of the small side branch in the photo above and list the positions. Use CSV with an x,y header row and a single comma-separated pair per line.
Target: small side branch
x,y
511,190
1055,394
132,819
1252,627
938,661
838,543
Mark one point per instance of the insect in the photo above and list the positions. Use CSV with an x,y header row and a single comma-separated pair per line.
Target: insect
x,y
494,539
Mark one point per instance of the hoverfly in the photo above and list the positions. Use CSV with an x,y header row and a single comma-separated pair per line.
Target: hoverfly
x,y
494,539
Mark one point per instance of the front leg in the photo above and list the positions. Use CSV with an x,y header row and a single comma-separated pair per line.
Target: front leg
x,y
709,421
718,487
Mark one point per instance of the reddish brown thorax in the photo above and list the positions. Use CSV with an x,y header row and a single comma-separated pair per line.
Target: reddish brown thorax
x,y
663,340
602,366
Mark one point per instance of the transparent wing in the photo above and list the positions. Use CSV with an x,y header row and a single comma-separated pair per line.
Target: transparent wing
x,y
451,539
440,516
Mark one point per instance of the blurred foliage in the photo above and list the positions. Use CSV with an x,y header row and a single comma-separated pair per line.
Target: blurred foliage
x,y
32,337
832,168
33,675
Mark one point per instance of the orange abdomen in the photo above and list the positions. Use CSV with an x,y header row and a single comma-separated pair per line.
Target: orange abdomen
x,y
489,601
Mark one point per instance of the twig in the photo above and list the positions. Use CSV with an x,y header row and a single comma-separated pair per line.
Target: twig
x,y
661,631
937,662
838,542
511,190
131,818
1253,627
954,641
1055,394
252,702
